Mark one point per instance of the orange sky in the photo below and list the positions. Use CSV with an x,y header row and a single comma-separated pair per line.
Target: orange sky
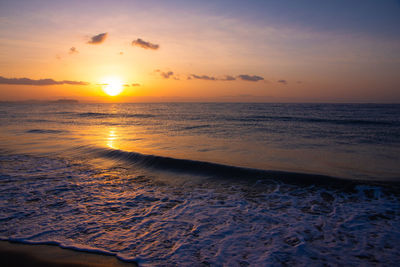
x,y
187,53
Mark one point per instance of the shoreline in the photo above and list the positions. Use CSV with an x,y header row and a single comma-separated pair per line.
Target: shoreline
x,y
21,254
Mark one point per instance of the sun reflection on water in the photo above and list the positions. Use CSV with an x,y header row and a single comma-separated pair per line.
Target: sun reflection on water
x,y
111,138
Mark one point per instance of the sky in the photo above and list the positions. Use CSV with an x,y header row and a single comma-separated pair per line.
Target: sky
x,y
235,51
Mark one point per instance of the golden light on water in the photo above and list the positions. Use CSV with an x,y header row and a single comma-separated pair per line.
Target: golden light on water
x,y
112,86
112,136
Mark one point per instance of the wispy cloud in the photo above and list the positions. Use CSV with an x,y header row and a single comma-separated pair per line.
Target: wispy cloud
x,y
250,78
98,39
143,44
203,77
73,50
228,78
244,77
165,75
40,82
133,84
282,81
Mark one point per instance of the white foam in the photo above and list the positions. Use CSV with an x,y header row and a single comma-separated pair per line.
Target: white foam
x,y
143,217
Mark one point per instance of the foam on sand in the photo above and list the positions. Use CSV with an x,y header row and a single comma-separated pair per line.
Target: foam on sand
x,y
18,254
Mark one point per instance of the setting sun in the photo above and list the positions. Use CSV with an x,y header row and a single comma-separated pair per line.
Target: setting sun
x,y
112,86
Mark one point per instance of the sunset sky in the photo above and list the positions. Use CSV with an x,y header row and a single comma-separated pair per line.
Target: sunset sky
x,y
270,51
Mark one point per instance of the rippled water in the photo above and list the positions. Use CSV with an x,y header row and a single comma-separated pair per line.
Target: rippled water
x,y
205,184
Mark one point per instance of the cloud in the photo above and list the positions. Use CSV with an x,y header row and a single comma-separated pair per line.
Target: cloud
x,y
98,39
282,81
228,78
40,82
133,84
73,50
203,77
250,78
244,77
143,44
165,75
71,82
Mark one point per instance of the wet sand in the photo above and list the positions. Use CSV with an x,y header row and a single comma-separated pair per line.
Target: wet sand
x,y
16,254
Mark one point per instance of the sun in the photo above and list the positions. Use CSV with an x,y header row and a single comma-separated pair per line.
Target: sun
x,y
112,86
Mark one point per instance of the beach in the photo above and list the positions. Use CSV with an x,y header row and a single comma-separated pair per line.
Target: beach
x,y
18,254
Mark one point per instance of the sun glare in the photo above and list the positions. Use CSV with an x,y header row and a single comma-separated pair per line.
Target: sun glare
x,y
112,86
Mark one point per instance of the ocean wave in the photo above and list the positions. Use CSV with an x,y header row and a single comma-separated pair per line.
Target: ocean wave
x,y
196,127
135,216
203,168
113,115
39,121
317,120
45,131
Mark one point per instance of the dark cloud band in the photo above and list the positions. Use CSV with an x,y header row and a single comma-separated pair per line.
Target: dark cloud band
x,y
143,44
203,77
40,82
250,78
243,77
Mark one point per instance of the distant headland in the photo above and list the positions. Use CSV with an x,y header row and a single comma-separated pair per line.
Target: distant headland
x,y
65,101
34,101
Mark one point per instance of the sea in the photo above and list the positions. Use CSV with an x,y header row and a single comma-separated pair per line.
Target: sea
x,y
205,184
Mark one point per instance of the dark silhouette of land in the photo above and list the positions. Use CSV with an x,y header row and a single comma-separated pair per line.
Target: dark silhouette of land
x,y
17,254
34,101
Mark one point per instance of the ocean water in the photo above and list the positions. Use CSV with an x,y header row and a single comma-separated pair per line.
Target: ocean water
x,y
205,184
